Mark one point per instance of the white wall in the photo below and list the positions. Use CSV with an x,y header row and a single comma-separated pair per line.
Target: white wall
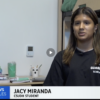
x,y
24,22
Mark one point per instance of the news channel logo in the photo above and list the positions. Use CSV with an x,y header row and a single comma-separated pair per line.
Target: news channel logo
x,y
4,92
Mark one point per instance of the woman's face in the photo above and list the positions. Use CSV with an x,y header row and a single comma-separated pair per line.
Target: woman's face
x,y
83,27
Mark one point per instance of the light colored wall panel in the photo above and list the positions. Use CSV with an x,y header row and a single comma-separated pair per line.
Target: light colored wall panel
x,y
25,22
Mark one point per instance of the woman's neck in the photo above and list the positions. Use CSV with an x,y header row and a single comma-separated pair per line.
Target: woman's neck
x,y
85,46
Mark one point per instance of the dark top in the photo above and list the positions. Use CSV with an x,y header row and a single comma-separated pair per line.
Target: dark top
x,y
80,72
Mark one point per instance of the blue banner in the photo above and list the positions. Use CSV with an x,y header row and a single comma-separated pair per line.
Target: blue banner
x,y
4,92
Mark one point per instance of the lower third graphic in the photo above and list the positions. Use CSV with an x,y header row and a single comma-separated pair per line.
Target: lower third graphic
x,y
4,92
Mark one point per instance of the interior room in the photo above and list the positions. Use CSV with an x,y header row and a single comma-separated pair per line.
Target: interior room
x,y
32,32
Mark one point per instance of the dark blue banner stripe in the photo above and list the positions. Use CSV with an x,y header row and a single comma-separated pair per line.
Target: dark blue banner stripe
x,y
4,92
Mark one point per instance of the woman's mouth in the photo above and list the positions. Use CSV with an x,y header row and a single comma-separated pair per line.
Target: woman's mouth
x,y
81,33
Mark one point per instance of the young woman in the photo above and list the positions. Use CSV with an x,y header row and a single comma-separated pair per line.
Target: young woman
x,y
78,65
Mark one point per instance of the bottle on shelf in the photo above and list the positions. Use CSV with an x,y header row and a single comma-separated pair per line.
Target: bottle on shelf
x,y
0,70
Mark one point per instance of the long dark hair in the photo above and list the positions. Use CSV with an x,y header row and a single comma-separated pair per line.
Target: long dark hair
x,y
69,52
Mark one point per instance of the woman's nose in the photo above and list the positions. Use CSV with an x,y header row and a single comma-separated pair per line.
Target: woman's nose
x,y
81,26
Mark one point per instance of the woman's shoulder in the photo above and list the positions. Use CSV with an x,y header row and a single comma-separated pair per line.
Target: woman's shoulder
x,y
59,55
60,52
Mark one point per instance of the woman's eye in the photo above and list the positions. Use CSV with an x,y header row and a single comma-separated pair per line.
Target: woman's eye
x,y
77,23
87,23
